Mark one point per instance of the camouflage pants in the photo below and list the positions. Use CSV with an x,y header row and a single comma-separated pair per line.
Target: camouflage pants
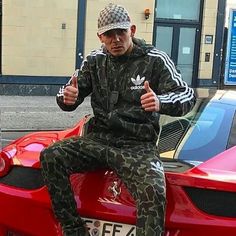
x,y
137,166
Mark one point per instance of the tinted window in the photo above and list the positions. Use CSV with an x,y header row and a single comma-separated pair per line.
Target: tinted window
x,y
199,135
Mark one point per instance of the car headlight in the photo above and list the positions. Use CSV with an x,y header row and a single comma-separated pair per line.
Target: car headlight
x,y
5,164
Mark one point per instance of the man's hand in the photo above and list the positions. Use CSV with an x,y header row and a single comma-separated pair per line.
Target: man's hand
x,y
149,100
71,92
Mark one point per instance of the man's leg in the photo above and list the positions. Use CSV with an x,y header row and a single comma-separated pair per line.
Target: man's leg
x,y
142,172
58,162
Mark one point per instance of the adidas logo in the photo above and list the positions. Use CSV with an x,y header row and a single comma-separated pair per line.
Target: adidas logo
x,y
157,166
137,82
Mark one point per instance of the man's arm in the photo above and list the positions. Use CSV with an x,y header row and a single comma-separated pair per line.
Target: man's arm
x,y
67,97
71,95
167,93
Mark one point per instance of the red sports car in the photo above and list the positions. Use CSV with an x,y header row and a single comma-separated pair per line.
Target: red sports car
x,y
199,156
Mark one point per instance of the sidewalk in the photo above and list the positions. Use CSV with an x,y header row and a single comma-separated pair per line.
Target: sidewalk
x,y
38,113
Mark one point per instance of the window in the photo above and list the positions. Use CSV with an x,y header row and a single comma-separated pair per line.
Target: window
x,y
198,136
178,9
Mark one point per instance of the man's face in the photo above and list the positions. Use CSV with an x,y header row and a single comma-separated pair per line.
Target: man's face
x,y
118,41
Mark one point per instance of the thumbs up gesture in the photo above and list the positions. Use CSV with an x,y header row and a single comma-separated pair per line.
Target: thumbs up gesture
x,y
71,92
149,100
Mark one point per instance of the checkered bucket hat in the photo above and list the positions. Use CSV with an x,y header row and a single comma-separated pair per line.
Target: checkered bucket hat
x,y
113,17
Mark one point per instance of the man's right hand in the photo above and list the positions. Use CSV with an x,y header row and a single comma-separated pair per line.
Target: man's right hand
x,y
71,92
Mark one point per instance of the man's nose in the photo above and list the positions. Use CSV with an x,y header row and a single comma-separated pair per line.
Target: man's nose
x,y
116,37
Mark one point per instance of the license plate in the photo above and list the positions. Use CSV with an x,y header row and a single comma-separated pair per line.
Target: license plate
x,y
108,228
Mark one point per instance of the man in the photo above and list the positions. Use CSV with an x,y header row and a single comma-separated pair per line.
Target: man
x,y
130,83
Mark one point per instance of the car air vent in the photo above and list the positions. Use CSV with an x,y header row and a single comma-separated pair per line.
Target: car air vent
x,y
23,177
173,165
171,134
213,202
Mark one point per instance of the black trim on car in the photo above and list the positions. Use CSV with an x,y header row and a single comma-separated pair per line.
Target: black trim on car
x,y
23,177
232,135
213,202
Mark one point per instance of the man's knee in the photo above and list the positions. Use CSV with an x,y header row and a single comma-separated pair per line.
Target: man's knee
x,y
46,155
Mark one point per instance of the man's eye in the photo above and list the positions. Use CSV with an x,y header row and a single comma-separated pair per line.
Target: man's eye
x,y
110,33
107,33
121,31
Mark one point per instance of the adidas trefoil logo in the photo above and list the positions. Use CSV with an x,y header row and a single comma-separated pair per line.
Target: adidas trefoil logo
x,y
137,82
157,166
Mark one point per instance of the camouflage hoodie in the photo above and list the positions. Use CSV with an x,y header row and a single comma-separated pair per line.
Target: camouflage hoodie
x,y
116,85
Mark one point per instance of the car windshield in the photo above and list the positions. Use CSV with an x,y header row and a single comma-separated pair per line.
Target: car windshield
x,y
198,136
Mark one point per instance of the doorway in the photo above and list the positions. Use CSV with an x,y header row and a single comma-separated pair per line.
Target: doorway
x,y
180,43
177,31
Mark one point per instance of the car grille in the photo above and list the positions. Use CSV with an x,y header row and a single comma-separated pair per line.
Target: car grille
x,y
23,177
213,202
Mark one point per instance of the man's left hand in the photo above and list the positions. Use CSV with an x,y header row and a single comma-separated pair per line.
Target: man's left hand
x,y
149,100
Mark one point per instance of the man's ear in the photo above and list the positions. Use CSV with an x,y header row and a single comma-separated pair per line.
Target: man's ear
x,y
100,37
133,30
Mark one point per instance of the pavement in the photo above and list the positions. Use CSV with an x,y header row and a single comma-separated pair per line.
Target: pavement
x,y
38,113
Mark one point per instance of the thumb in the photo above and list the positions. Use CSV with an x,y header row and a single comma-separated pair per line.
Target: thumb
x,y
147,87
74,82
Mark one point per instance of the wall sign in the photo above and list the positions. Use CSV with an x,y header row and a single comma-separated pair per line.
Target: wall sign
x,y
230,62
208,39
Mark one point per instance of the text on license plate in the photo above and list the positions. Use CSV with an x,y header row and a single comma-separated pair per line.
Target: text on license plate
x,y
107,228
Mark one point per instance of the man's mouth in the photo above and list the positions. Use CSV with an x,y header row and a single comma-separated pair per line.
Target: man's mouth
x,y
117,47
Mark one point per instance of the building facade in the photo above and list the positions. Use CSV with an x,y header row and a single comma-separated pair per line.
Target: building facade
x,y
44,41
